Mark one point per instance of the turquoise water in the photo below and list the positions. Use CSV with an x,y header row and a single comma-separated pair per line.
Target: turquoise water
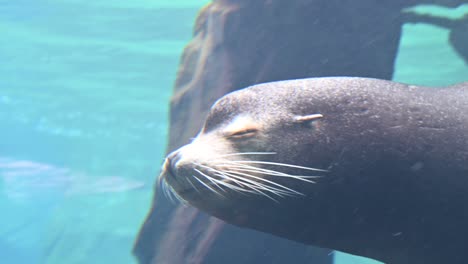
x,y
84,93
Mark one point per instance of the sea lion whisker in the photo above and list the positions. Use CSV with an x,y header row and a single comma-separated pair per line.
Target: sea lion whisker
x,y
193,185
242,181
247,153
235,188
207,186
173,196
277,164
289,190
170,194
264,187
178,197
168,191
248,168
267,171
224,176
266,195
238,189
211,180
240,184
242,167
280,174
254,190
217,172
162,184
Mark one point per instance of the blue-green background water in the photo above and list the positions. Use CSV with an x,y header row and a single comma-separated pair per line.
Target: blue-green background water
x,y
84,91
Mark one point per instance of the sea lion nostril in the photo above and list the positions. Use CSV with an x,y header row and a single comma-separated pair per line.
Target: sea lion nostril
x,y
174,156
171,162
168,166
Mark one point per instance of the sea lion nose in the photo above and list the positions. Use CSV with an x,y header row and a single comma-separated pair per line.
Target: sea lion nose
x,y
170,164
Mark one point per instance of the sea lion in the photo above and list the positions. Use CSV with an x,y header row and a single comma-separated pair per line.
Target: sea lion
x,y
370,167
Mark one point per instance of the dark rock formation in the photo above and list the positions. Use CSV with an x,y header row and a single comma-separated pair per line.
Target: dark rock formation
x,y
238,43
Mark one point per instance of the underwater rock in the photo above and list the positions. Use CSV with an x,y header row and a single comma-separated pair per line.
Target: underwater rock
x,y
238,43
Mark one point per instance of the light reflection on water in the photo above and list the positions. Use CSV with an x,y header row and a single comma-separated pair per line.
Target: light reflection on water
x,y
29,180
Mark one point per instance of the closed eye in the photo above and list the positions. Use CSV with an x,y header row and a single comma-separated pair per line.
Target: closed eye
x,y
241,127
244,133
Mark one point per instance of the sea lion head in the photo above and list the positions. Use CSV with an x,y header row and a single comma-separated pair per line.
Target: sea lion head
x,y
259,145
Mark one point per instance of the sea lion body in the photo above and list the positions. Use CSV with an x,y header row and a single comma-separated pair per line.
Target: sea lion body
x,y
391,162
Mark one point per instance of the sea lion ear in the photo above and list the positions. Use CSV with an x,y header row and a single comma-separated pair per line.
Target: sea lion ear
x,y
307,118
